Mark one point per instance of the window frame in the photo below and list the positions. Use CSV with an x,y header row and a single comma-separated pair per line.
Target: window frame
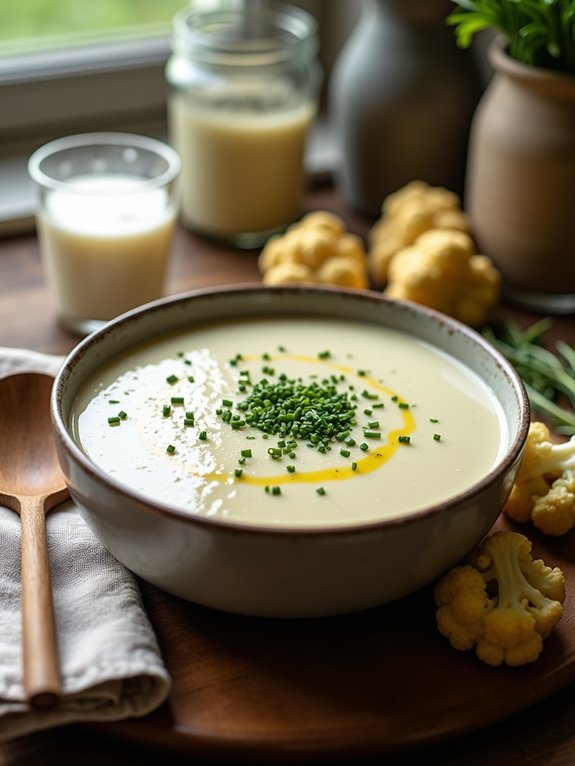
x,y
115,85
77,88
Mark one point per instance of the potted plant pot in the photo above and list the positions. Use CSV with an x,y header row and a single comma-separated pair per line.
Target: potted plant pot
x,y
521,179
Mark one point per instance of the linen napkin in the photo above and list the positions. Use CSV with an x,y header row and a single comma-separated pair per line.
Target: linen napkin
x,y
110,661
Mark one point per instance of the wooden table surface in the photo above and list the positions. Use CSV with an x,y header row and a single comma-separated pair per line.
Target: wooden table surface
x,y
543,735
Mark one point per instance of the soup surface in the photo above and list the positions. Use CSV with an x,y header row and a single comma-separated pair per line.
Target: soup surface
x,y
294,422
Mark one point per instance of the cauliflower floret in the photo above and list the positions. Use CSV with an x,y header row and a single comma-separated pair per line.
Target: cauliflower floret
x,y
317,249
544,490
288,273
343,271
442,271
502,602
406,214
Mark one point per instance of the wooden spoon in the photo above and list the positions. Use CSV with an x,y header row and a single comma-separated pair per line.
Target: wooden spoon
x,y
31,483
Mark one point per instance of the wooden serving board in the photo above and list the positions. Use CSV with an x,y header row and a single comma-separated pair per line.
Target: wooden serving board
x,y
383,680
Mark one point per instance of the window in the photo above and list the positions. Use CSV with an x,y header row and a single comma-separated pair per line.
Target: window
x,y
68,66
65,64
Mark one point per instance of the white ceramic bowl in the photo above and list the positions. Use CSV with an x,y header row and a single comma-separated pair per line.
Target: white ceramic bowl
x,y
280,572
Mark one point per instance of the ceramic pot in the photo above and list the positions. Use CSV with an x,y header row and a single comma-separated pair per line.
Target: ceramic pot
x,y
401,100
520,182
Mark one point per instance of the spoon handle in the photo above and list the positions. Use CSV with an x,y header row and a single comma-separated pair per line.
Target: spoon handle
x,y
42,683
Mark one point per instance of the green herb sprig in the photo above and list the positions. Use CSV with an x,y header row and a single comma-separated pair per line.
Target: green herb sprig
x,y
538,32
547,373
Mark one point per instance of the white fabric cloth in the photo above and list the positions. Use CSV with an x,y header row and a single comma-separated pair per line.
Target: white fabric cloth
x,y
110,661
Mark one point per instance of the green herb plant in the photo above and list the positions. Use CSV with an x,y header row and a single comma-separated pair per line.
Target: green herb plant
x,y
547,373
539,33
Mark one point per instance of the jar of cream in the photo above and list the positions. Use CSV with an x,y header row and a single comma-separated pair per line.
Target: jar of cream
x,y
243,91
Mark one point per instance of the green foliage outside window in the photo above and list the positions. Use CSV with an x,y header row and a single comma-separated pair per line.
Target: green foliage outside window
x,y
28,25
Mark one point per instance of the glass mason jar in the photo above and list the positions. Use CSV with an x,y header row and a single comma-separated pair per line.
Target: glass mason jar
x,y
243,91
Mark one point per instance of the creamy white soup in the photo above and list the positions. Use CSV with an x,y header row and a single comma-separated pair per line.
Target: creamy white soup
x,y
295,422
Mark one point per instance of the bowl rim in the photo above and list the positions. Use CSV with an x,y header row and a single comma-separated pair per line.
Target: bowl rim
x,y
67,442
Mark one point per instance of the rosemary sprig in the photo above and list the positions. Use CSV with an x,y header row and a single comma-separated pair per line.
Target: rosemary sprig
x,y
548,374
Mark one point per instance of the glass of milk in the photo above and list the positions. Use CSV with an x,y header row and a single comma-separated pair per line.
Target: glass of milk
x,y
243,89
105,219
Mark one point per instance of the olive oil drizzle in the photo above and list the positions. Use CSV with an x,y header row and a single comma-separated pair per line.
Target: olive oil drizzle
x,y
378,457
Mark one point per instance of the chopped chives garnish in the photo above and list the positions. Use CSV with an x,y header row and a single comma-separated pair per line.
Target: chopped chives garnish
x,y
203,435
177,399
281,348
362,373
437,437
122,415
372,434
276,491
188,422
171,379
166,410
344,452
367,412
114,421
320,491
363,446
403,406
324,354
242,460
246,453
170,449
227,403
404,439
354,466
191,379
433,420
378,406
238,472
373,424
113,401
315,413
291,468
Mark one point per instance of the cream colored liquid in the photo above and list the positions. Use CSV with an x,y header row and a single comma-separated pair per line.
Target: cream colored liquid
x,y
106,251
241,173
390,478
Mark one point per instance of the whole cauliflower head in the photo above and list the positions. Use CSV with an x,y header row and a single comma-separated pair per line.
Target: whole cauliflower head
x,y
405,215
316,250
441,270
503,603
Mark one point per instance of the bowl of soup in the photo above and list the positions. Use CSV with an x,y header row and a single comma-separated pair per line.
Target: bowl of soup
x,y
288,451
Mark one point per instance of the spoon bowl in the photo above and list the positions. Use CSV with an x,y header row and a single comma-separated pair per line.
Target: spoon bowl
x,y
31,484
